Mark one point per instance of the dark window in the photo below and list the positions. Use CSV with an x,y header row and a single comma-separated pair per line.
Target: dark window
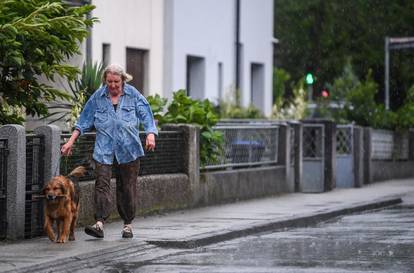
x,y
195,77
136,66
257,85
106,54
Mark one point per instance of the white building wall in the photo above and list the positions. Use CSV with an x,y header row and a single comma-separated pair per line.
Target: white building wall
x,y
202,29
256,35
171,30
131,23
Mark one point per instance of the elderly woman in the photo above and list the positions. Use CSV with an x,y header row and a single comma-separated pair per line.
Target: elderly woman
x,y
116,111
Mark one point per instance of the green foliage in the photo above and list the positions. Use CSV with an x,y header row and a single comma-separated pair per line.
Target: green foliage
x,y
157,106
345,82
228,110
231,107
89,81
82,88
295,108
360,106
280,77
184,109
36,39
405,114
318,36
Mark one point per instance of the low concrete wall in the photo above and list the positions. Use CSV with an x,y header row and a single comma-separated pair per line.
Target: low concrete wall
x,y
386,170
232,185
156,193
160,193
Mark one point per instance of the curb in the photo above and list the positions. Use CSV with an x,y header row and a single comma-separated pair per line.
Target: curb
x,y
76,262
301,221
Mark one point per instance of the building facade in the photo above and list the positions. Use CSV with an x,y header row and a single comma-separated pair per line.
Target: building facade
x,y
210,48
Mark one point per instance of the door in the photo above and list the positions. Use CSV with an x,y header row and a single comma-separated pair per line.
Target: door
x,y
313,158
344,157
136,60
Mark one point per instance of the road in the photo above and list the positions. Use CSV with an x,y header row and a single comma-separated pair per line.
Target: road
x,y
375,241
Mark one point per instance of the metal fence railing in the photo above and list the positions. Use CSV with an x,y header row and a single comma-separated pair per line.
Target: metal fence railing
x,y
344,135
168,156
386,146
247,145
81,152
35,154
313,137
3,188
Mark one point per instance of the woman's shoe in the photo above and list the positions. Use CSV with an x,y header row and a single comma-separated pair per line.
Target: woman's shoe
x,y
127,232
95,230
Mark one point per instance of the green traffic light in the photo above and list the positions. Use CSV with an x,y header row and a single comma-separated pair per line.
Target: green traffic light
x,y
309,78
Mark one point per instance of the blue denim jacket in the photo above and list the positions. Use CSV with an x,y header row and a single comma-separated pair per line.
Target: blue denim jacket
x,y
117,133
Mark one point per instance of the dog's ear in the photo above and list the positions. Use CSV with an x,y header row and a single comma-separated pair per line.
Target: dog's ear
x,y
63,188
44,189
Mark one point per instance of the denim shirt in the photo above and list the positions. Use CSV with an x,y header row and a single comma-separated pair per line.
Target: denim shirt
x,y
117,132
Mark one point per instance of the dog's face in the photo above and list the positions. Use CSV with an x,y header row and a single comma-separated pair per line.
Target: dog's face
x,y
54,189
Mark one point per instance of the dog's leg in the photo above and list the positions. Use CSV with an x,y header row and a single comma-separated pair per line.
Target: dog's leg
x,y
48,228
72,228
59,227
65,229
75,210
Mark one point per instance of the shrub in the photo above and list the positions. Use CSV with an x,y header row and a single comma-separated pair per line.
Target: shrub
x,y
280,77
184,109
36,39
82,88
296,108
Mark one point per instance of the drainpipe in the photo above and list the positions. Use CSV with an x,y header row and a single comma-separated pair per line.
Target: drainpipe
x,y
237,53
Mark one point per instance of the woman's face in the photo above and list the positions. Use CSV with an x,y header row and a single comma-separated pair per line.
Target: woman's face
x,y
114,83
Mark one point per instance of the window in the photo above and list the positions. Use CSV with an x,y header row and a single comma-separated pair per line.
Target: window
x,y
106,54
220,81
257,85
195,77
137,68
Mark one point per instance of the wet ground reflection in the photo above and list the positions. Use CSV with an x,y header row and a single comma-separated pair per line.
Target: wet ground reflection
x,y
378,241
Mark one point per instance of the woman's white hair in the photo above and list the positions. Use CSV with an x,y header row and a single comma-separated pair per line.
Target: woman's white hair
x,y
117,70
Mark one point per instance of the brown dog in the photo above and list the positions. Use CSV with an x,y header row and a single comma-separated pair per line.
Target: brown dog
x,y
62,205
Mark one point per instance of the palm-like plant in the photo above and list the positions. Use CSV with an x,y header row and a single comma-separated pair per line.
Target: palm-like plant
x,y
82,88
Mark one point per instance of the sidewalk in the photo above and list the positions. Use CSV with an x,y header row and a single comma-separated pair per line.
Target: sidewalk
x,y
192,228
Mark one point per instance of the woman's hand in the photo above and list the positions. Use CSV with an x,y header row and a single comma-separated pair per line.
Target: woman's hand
x,y
66,149
150,142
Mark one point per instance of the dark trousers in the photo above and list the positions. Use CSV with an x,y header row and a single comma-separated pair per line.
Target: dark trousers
x,y
126,190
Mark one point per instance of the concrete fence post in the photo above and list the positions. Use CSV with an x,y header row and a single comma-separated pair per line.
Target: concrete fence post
x,y
358,156
51,134
191,152
367,155
283,156
298,156
16,179
330,155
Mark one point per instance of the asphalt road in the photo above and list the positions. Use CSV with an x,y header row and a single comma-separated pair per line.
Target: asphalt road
x,y
374,241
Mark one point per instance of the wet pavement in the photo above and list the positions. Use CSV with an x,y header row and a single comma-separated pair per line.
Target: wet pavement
x,y
375,241
189,240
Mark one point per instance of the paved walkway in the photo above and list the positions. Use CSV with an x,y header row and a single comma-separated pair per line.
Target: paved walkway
x,y
191,228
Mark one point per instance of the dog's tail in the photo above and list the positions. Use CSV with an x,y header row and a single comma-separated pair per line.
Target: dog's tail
x,y
78,172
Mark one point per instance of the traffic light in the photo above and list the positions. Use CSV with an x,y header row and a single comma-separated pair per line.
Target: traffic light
x,y
325,93
309,78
